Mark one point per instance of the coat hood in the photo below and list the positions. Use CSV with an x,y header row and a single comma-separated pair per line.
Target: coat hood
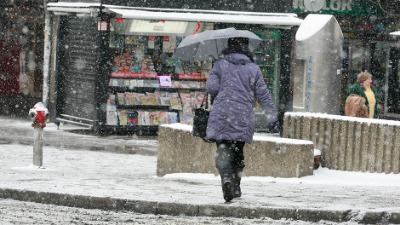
x,y
237,59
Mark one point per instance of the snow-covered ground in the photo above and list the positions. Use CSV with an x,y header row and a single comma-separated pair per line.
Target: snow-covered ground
x,y
95,173
129,176
14,212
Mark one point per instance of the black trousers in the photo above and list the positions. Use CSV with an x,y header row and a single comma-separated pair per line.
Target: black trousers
x,y
229,158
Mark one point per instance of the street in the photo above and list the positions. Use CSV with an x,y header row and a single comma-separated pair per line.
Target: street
x,y
14,212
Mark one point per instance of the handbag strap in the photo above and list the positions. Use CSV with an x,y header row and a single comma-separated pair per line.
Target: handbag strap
x,y
202,102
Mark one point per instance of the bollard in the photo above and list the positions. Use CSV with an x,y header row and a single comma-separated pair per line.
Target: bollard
x,y
39,115
38,147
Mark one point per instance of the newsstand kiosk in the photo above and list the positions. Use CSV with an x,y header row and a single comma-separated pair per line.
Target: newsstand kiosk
x,y
116,70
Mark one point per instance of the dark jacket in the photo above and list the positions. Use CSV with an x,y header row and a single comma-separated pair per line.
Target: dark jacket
x,y
357,89
236,82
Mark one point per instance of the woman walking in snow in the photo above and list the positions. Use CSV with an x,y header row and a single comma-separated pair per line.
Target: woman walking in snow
x,y
236,83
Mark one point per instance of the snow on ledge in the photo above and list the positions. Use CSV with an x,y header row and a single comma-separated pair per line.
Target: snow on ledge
x,y
257,136
178,126
73,4
344,118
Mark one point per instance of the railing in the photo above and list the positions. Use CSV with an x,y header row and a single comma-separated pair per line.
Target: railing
x,y
348,143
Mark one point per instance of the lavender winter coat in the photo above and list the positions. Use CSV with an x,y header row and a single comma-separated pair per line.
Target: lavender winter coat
x,y
237,83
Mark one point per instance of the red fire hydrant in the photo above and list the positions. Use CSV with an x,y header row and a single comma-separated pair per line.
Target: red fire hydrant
x,y
39,115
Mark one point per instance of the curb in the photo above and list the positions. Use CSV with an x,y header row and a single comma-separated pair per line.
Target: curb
x,y
179,209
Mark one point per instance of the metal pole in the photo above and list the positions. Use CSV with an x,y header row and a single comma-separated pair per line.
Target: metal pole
x,y
38,147
46,54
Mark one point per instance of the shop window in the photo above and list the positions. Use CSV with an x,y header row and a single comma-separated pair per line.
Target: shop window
x,y
378,68
148,85
393,93
148,46
143,52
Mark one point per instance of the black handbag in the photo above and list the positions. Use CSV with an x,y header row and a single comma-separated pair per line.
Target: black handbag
x,y
200,120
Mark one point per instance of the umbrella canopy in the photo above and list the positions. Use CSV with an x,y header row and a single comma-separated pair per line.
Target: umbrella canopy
x,y
209,44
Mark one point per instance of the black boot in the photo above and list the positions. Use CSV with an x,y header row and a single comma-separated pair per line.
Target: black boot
x,y
223,162
227,187
236,183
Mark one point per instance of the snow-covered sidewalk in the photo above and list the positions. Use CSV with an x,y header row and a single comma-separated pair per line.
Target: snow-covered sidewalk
x,y
336,195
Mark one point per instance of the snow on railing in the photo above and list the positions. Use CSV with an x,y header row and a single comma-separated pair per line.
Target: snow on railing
x,y
348,143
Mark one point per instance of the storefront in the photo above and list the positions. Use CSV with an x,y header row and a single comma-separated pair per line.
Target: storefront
x,y
368,45
21,47
109,66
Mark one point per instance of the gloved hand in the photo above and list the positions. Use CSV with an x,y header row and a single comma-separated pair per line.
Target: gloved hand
x,y
274,127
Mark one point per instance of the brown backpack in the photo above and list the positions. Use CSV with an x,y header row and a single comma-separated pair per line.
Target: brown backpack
x,y
355,106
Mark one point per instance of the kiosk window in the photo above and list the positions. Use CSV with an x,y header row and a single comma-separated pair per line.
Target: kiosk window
x,y
149,46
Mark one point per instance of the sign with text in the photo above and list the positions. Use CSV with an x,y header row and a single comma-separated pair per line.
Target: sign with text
x,y
334,7
165,81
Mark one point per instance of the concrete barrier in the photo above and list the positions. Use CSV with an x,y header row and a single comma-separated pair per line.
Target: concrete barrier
x,y
180,152
348,143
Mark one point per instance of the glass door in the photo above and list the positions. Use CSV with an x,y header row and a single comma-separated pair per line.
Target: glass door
x,y
393,81
267,57
379,68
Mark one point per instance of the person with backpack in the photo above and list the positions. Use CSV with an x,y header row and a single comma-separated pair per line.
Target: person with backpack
x,y
362,100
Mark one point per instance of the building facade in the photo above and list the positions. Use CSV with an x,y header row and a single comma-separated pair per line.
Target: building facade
x,y
93,41
21,55
92,36
368,45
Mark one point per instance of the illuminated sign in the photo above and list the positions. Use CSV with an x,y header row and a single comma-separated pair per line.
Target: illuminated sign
x,y
335,7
